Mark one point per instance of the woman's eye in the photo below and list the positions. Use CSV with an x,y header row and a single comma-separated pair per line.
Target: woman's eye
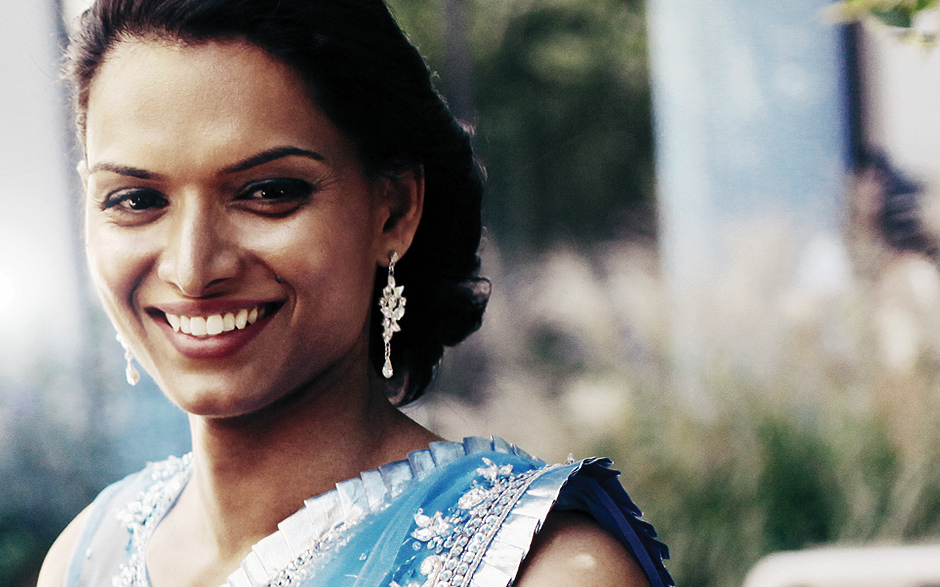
x,y
277,189
276,196
135,200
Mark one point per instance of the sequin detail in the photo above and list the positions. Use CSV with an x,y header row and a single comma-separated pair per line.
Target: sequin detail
x,y
141,517
459,540
302,567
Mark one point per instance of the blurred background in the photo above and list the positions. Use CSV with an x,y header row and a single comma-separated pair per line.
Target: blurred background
x,y
711,232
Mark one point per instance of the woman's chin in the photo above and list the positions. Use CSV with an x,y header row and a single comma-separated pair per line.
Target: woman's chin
x,y
215,401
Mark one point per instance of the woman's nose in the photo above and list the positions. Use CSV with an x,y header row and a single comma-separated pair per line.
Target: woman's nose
x,y
198,257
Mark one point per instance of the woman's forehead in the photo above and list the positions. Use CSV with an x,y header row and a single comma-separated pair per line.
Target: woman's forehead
x,y
198,100
230,69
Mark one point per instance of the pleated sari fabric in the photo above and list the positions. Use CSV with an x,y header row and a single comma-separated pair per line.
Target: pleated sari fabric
x,y
457,514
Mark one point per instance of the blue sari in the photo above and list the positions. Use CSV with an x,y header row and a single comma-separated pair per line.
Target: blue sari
x,y
452,515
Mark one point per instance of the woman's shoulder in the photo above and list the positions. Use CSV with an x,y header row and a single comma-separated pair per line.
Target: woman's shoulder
x,y
571,549
106,514
56,564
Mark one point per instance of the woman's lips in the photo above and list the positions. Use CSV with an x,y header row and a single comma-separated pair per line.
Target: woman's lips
x,y
200,334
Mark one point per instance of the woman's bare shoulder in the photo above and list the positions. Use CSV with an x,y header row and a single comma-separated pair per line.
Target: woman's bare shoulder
x,y
56,564
572,550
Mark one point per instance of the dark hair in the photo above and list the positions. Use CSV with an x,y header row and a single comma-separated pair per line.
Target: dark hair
x,y
374,85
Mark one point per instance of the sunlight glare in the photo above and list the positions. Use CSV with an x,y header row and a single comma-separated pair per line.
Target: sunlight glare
x,y
7,294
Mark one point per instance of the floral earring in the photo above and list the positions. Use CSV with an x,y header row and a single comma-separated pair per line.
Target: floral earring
x,y
392,305
130,372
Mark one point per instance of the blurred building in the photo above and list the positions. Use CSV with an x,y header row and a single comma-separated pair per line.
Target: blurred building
x,y
753,137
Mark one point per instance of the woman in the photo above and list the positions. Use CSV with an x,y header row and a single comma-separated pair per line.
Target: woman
x,y
266,182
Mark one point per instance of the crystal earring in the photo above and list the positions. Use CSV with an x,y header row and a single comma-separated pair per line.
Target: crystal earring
x,y
130,372
392,305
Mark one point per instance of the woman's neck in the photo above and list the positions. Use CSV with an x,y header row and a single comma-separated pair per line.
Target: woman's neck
x,y
251,472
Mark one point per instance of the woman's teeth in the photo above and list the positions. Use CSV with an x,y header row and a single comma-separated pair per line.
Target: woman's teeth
x,y
201,326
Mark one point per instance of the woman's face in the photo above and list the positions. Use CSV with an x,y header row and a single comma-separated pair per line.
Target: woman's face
x,y
220,198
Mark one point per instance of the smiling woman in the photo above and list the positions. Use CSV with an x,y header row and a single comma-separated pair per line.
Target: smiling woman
x,y
253,172
191,218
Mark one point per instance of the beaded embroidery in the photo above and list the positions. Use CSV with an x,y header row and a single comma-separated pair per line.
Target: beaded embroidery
x,y
301,567
141,517
459,541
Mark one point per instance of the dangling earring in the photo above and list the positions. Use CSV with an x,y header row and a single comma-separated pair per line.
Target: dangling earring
x,y
392,304
130,372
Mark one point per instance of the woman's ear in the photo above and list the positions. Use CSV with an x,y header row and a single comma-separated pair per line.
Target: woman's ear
x,y
403,204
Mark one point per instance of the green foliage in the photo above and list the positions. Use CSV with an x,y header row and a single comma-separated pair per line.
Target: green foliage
x,y
562,111
725,493
22,545
796,486
565,123
423,21
724,490
897,13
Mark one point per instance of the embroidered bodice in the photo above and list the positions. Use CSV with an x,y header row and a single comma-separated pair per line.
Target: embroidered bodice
x,y
452,515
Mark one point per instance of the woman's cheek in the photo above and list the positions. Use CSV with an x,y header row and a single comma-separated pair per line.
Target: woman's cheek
x,y
115,267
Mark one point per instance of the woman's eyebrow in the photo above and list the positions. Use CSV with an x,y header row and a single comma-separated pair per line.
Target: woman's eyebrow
x,y
122,170
253,161
270,155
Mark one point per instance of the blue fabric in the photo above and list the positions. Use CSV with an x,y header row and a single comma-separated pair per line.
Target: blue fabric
x,y
456,514
83,545
597,492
